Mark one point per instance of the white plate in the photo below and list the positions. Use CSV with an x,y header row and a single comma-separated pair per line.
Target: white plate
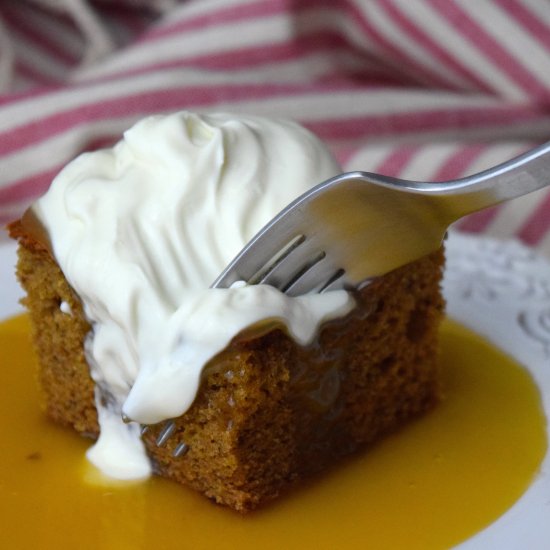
x,y
10,292
502,291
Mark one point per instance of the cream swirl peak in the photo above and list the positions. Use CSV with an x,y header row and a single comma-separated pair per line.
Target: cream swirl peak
x,y
141,230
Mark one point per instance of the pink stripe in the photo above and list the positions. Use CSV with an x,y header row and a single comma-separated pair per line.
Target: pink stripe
x,y
397,160
458,163
533,25
194,96
47,88
538,223
147,102
28,188
478,222
33,34
435,50
477,35
45,128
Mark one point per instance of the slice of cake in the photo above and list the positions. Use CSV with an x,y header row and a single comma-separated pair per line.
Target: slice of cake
x,y
265,389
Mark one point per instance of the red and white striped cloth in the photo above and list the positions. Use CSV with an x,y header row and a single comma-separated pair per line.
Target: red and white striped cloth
x,y
425,89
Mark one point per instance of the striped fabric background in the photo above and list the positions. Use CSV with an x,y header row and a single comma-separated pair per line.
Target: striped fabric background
x,y
425,89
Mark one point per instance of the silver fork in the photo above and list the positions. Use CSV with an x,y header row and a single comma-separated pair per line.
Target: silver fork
x,y
358,225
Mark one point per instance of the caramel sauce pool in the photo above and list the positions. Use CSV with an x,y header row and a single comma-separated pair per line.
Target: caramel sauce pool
x,y
431,485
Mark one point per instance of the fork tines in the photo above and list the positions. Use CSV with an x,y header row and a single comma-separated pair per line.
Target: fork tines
x,y
299,267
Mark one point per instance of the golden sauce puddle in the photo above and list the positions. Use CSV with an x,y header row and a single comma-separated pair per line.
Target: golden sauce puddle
x,y
432,485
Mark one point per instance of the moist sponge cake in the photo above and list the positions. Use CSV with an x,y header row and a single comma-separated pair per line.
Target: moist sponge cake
x,y
269,412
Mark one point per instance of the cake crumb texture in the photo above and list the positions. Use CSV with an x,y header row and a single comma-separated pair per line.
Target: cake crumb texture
x,y
269,412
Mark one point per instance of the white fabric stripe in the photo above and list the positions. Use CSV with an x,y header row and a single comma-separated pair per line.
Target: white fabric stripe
x,y
496,153
510,216
353,102
517,42
448,38
513,214
192,9
427,161
386,26
368,158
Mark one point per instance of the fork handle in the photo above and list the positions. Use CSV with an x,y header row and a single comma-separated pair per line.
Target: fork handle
x,y
514,178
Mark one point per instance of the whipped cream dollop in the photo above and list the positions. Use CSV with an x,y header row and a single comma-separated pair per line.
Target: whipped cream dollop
x,y
141,231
